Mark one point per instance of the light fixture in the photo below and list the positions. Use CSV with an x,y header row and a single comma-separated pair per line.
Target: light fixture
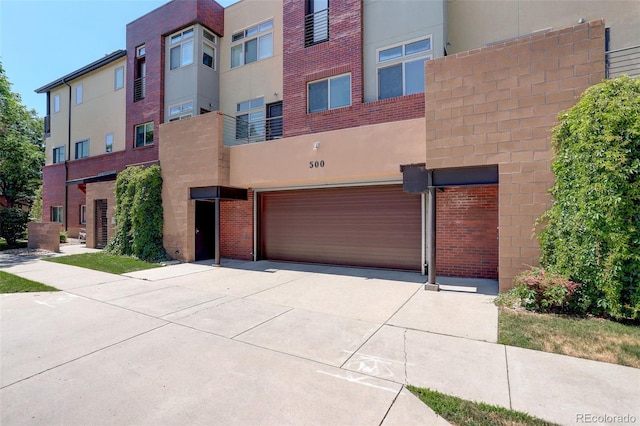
x,y
316,145
581,21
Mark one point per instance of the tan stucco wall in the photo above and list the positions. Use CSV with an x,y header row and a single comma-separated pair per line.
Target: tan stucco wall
x,y
473,23
497,106
191,155
357,154
102,111
100,191
262,78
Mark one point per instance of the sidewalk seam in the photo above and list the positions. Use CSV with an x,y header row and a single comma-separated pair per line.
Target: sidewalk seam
x,y
506,363
390,406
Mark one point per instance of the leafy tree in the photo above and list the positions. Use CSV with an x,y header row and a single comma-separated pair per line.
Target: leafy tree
x,y
13,224
592,230
139,214
21,148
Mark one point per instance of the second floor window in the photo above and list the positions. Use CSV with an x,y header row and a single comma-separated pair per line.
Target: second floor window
x,y
252,44
82,149
56,103
330,93
58,155
181,53
181,111
250,120
108,142
144,134
401,68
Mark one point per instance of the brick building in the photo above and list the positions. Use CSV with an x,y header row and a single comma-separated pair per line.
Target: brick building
x,y
357,132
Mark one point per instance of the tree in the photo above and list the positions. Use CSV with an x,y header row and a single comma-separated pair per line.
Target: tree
x,y
21,148
592,230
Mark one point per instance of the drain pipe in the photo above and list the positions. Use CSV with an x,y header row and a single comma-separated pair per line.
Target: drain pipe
x,y
66,164
431,229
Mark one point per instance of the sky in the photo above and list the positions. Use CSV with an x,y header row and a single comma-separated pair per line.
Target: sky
x,y
43,40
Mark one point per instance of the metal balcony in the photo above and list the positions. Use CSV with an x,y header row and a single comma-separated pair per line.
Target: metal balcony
x,y
237,131
623,61
316,27
139,89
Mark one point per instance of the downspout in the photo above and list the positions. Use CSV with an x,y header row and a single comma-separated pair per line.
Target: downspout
x,y
66,164
431,283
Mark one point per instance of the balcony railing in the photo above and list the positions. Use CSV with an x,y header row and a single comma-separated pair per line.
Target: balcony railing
x,y
237,131
623,61
139,89
316,27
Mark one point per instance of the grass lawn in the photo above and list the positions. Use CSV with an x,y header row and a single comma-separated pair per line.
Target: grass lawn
x,y
10,283
466,413
591,338
104,262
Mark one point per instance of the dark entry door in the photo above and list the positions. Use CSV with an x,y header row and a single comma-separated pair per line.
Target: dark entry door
x,y
100,220
274,120
205,230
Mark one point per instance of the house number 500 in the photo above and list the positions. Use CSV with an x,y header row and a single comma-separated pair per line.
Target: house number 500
x,y
316,164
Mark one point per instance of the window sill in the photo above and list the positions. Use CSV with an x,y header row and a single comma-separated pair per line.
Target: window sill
x,y
144,146
330,111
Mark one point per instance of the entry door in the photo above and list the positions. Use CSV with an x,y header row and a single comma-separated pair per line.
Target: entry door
x,y
274,120
205,230
100,223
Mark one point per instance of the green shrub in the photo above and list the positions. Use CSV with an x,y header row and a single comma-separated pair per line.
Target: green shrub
x,y
543,291
139,214
592,231
13,225
63,236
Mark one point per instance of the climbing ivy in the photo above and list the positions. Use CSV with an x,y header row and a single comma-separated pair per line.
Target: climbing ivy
x,y
592,231
139,214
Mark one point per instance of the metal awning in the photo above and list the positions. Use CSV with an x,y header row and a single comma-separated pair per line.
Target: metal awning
x,y
218,193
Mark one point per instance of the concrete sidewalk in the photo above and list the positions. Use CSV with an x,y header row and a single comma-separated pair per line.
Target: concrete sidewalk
x,y
274,343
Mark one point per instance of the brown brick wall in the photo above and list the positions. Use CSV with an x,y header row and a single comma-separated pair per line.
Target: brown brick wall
x,y
341,54
236,229
467,232
44,235
496,106
100,191
191,155
53,178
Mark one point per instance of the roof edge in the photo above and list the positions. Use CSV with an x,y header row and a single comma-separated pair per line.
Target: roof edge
x,y
84,70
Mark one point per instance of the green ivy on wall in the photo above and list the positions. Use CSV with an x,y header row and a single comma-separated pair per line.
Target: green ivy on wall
x,y
592,231
139,214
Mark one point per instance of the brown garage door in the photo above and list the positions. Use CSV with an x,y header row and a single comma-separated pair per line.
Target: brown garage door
x,y
375,226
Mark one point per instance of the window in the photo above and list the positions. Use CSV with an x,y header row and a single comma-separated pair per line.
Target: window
x,y
181,111
83,215
208,55
141,51
209,36
118,78
144,134
82,149
56,103
316,22
56,214
139,85
181,53
58,155
78,94
250,123
108,142
252,44
334,92
401,68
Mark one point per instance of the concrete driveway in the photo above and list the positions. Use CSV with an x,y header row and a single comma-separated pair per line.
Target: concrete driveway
x,y
258,343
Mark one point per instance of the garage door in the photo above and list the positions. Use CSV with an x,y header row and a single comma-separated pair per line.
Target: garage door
x,y
376,226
